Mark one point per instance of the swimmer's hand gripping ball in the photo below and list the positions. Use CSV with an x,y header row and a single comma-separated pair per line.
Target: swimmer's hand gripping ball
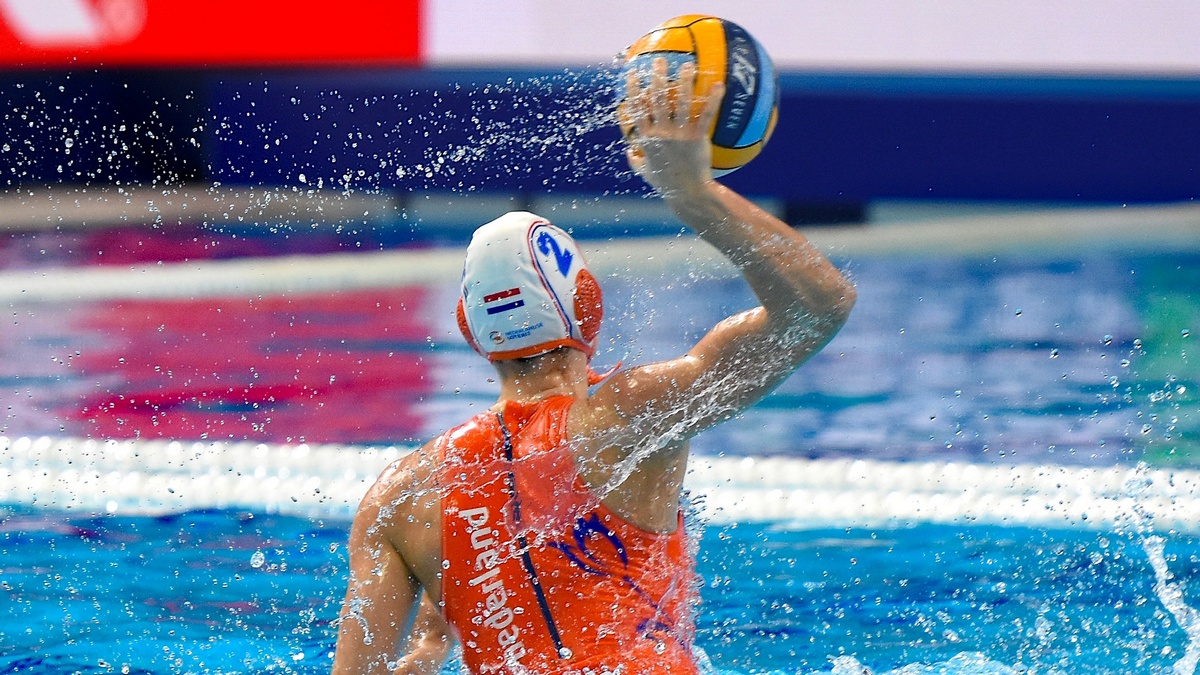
x,y
722,51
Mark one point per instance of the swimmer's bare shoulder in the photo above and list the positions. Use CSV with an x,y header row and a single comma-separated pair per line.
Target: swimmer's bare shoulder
x,y
395,551
406,504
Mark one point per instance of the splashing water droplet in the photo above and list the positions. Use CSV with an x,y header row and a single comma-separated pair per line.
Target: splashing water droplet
x,y
257,560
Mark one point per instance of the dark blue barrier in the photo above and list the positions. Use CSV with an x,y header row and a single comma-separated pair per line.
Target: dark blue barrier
x,y
842,139
1013,138
423,130
101,127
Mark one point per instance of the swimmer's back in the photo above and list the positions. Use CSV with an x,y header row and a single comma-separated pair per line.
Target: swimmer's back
x,y
538,572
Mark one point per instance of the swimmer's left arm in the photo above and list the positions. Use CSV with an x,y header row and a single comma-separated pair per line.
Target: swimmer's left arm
x,y
428,642
381,598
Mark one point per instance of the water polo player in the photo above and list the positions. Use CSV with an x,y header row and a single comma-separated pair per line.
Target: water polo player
x,y
549,527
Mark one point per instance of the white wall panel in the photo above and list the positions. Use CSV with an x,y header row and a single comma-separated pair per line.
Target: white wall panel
x,y
1076,36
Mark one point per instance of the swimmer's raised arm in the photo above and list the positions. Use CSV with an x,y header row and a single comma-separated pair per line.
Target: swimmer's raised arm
x,y
804,299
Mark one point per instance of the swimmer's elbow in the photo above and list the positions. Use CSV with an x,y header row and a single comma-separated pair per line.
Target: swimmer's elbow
x,y
830,322
844,304
824,317
838,305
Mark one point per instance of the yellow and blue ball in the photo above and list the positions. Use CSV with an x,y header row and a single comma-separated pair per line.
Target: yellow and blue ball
x,y
722,51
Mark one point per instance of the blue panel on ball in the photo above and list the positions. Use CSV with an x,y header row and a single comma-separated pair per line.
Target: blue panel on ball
x,y
743,76
768,99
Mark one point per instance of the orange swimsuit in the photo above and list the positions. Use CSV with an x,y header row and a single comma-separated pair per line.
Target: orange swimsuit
x,y
538,575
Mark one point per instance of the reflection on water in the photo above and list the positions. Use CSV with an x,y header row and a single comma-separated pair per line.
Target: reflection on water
x,y
987,360
171,594
346,367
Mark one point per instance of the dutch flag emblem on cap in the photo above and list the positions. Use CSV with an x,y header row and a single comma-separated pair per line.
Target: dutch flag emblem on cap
x,y
503,301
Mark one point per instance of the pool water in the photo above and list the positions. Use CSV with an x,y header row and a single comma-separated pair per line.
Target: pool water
x,y
225,591
1011,359
1015,359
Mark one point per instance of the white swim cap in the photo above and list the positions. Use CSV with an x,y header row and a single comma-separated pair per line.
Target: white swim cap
x,y
526,290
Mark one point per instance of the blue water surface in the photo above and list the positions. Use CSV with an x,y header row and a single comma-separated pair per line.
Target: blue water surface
x,y
226,591
1078,359
1021,358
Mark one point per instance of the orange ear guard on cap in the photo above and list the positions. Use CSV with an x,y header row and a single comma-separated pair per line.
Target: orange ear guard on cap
x,y
465,328
589,312
589,305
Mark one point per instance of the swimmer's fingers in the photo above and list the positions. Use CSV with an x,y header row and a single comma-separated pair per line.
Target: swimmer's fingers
x,y
668,123
635,107
712,106
633,84
684,93
636,157
638,96
659,92
633,92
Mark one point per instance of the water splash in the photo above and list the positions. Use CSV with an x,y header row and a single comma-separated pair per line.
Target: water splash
x,y
848,665
497,134
1139,522
961,664
1170,594
966,663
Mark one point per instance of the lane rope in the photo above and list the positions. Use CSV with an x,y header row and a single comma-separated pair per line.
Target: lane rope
x,y
140,477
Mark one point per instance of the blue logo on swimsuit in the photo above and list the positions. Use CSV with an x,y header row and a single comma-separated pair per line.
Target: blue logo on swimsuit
x,y
546,243
580,553
657,626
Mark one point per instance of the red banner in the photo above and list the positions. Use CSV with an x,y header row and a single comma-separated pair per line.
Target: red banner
x,y
71,33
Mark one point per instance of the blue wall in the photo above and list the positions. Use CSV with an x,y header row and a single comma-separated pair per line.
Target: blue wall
x,y
841,139
986,138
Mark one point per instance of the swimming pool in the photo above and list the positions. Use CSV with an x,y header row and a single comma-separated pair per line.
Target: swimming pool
x,y
956,474
233,591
